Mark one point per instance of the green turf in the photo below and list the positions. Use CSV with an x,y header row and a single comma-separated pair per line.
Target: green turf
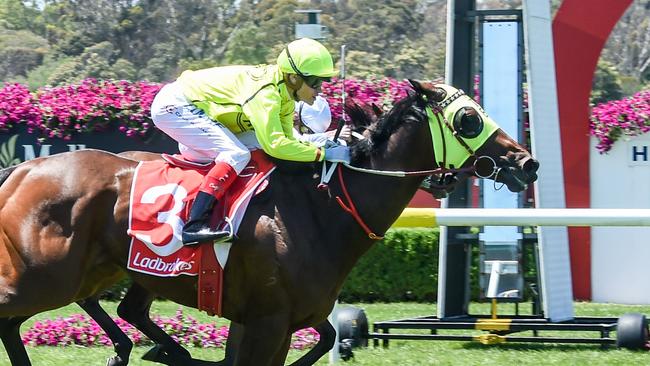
x,y
399,352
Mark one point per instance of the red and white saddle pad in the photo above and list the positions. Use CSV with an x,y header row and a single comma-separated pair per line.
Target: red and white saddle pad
x,y
160,199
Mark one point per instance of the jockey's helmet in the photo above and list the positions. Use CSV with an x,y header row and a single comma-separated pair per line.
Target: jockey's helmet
x,y
307,58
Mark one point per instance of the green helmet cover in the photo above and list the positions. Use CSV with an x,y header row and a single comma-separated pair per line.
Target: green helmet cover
x,y
456,153
310,58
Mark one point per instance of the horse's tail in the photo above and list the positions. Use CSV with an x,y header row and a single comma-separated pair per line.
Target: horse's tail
x,y
5,173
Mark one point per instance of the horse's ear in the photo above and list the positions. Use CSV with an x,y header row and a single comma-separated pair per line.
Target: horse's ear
x,y
376,110
357,111
417,86
432,92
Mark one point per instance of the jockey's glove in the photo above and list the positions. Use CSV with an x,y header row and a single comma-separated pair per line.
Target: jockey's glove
x,y
337,153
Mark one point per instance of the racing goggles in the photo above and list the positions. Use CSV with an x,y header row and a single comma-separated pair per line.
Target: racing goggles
x,y
312,81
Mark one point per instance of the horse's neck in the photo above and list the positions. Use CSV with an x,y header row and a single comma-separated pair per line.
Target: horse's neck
x,y
383,198
378,199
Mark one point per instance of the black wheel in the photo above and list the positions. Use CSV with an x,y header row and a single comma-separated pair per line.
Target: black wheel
x,y
353,326
632,331
345,350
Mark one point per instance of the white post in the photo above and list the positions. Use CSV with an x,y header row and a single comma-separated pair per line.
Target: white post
x,y
442,237
555,266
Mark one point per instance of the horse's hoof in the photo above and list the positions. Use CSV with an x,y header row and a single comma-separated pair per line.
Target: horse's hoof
x,y
116,361
158,354
154,354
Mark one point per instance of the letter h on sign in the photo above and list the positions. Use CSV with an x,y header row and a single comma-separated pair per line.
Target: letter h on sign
x,y
639,154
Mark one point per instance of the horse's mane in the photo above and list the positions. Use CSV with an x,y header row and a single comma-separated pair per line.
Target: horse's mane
x,y
407,110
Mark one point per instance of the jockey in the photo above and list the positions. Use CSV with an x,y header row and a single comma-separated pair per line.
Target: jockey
x,y
220,114
312,121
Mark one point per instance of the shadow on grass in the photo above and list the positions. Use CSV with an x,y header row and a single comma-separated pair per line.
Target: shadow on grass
x,y
549,347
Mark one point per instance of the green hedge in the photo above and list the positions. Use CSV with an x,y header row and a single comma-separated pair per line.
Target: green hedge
x,y
401,267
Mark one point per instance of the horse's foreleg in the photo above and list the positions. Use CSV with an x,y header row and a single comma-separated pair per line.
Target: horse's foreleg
x,y
281,354
326,342
10,334
121,343
263,339
134,308
235,336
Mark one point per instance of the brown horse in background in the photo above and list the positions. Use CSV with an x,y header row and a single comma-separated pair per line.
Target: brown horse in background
x,y
63,222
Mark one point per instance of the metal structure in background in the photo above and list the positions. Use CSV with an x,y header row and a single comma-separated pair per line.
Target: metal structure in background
x,y
453,276
457,244
631,329
500,68
312,28
501,60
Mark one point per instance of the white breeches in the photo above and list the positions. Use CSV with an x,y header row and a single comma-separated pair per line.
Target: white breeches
x,y
199,138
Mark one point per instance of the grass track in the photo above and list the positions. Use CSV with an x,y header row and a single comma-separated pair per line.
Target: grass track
x,y
399,353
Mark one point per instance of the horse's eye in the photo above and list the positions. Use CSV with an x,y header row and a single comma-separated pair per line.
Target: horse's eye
x,y
468,122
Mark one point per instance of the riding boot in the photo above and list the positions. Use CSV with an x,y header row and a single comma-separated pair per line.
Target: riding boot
x,y
214,185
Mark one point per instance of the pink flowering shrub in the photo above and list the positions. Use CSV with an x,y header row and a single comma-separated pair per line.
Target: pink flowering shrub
x,y
92,105
381,92
17,105
80,330
629,116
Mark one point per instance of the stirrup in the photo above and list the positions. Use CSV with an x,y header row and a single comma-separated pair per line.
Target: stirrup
x,y
216,237
213,236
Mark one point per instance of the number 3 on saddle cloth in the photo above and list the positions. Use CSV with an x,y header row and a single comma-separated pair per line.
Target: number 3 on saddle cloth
x,y
161,196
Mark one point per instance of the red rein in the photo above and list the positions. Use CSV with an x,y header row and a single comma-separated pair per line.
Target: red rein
x,y
352,210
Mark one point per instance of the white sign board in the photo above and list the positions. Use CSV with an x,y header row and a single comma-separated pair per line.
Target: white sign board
x,y
620,256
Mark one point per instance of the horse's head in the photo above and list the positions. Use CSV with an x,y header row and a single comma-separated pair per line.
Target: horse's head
x,y
471,136
439,128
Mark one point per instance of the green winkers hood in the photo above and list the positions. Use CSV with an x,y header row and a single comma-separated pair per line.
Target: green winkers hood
x,y
454,103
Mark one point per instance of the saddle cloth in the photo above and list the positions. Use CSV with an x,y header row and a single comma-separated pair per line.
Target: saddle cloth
x,y
161,195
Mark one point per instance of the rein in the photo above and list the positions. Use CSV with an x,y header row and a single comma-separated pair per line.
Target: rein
x,y
352,210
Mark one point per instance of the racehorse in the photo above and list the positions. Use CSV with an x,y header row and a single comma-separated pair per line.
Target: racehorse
x,y
64,219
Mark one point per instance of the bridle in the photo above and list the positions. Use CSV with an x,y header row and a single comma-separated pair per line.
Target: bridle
x,y
435,116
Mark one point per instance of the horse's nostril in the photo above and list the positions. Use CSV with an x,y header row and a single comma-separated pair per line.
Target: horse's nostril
x,y
530,166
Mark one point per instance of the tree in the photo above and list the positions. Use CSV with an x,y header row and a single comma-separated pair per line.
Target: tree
x,y
379,27
628,46
124,70
265,27
39,76
607,83
95,62
20,51
161,64
20,15
361,64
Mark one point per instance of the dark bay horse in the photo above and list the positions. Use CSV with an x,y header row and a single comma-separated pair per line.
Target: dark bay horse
x,y
63,222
